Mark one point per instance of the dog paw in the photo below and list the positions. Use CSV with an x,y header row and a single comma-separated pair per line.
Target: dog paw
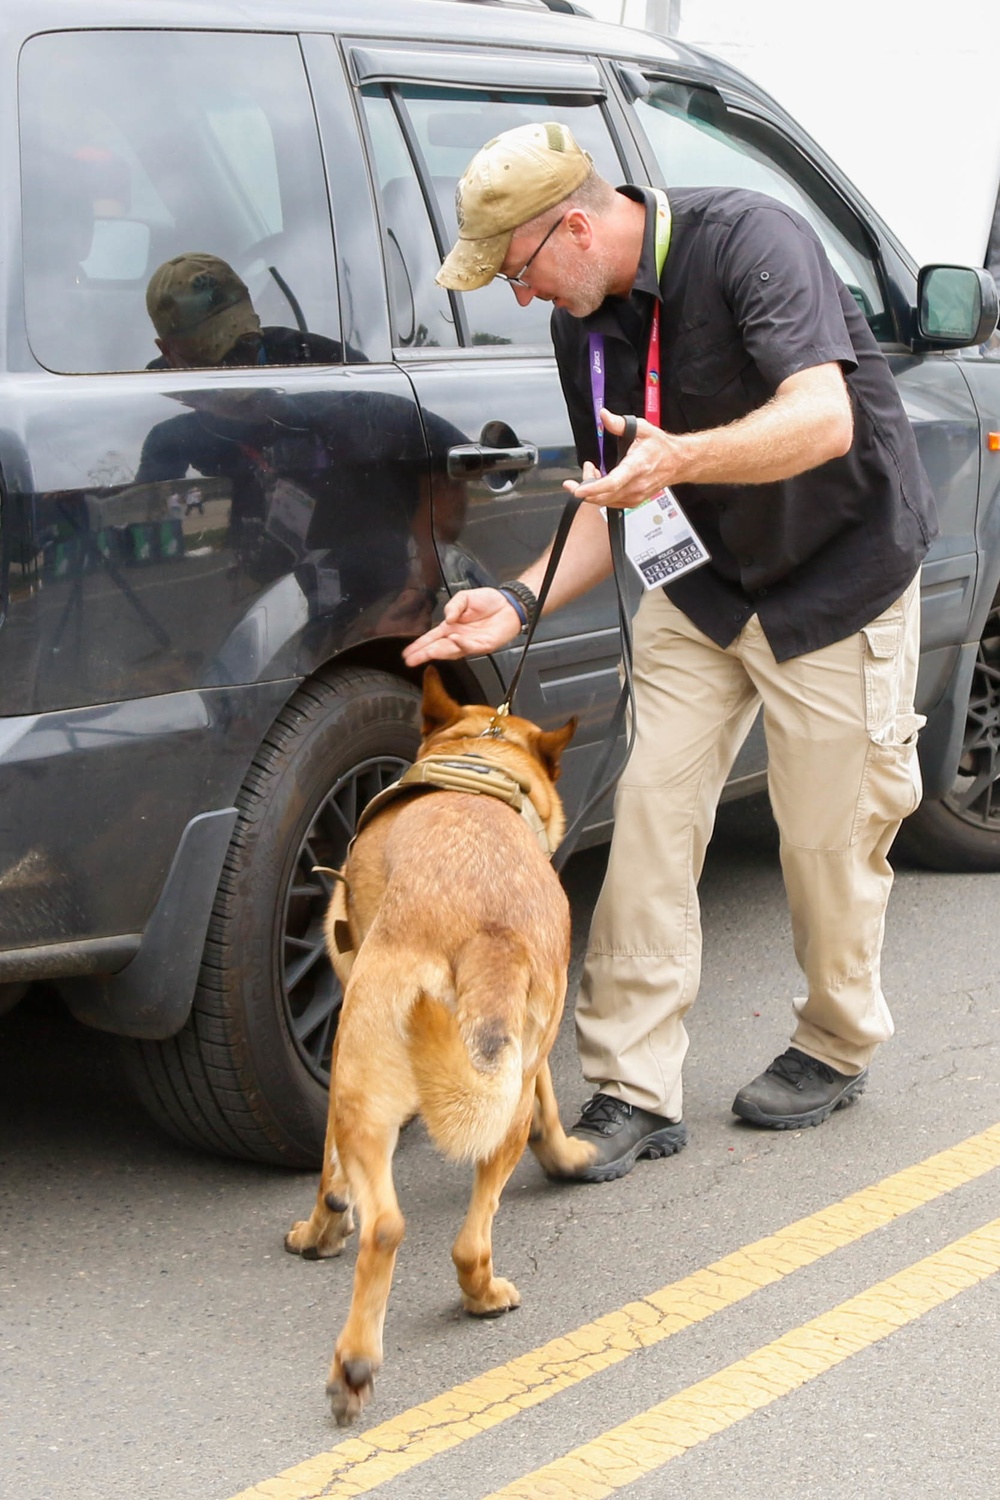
x,y
350,1388
500,1296
564,1159
298,1240
304,1239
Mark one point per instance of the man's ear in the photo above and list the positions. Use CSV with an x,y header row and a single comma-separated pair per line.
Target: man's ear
x,y
439,708
552,743
580,227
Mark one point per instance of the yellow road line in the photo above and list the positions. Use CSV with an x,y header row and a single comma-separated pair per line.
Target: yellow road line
x,y
647,1442
359,1465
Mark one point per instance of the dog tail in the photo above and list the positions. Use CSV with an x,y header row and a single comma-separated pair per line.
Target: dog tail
x,y
467,1062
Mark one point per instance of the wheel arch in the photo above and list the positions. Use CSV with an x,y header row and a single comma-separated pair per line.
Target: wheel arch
x,y
242,1075
384,654
151,996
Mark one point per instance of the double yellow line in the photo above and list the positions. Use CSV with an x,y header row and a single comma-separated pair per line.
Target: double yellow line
x,y
619,1457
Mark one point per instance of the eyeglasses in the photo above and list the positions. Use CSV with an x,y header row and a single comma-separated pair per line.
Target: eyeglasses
x,y
519,280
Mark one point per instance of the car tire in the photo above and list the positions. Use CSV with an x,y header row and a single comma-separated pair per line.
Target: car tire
x,y
248,1075
961,832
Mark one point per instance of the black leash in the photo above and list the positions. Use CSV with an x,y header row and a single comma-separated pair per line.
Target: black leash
x,y
558,543
596,787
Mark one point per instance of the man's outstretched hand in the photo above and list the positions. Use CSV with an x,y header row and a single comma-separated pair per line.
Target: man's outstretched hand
x,y
476,622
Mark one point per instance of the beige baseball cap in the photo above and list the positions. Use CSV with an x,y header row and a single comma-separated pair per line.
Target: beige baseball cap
x,y
199,301
515,177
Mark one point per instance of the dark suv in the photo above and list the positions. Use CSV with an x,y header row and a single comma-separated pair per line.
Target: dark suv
x,y
207,574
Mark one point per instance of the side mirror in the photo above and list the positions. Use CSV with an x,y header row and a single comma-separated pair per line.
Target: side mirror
x,y
956,306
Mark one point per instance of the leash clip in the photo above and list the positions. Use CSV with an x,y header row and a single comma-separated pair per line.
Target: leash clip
x,y
494,729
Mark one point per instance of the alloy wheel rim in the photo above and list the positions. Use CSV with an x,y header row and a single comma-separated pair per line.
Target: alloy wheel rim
x,y
975,794
310,991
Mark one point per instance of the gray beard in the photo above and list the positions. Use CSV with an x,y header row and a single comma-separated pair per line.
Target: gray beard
x,y
590,291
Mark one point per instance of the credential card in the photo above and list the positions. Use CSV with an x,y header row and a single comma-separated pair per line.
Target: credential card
x,y
660,541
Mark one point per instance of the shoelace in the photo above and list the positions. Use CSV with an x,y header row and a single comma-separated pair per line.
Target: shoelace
x,y
795,1067
602,1112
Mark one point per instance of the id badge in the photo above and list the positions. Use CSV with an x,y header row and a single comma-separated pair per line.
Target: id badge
x,y
660,541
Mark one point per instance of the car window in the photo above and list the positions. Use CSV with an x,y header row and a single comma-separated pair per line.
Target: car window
x,y
422,312
698,142
424,137
140,146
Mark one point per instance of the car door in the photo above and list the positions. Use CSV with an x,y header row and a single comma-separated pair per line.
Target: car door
x,y
482,364
184,543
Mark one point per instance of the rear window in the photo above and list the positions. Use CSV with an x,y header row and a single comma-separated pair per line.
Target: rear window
x,y
140,146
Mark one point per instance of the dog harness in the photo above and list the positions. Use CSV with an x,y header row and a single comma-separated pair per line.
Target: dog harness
x,y
463,773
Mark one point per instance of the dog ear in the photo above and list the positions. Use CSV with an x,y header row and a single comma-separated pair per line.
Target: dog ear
x,y
439,709
552,743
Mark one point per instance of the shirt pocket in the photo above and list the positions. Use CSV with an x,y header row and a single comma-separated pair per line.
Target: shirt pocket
x,y
709,378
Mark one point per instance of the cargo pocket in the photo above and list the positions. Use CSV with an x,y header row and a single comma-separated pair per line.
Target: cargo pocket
x,y
892,787
881,666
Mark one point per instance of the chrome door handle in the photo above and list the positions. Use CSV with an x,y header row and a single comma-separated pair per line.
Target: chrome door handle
x,y
469,460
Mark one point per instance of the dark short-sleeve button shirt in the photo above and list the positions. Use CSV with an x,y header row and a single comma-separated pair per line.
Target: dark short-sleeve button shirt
x,y
749,298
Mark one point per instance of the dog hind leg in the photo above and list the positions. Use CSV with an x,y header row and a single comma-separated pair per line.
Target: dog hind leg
x,y
483,1294
558,1154
366,1151
331,1222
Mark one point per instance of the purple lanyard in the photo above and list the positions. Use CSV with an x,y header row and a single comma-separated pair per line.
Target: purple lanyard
x,y
596,341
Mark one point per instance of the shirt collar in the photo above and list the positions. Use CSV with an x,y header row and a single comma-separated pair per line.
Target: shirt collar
x,y
646,279
605,319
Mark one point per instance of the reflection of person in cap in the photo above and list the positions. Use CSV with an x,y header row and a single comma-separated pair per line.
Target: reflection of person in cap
x,y
774,417
203,316
306,453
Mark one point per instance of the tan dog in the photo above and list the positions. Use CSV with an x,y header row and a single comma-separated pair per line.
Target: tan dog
x,y
454,968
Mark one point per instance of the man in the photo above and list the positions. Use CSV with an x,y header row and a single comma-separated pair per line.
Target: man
x,y
783,438
203,315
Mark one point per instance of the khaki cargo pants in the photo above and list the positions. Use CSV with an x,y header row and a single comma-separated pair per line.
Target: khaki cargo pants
x,y
842,773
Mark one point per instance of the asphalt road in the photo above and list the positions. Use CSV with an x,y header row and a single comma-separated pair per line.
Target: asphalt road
x,y
156,1342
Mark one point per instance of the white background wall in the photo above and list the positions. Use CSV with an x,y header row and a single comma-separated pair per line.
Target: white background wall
x,y
903,94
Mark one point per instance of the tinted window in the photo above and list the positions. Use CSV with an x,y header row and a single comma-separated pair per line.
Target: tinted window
x,y
138,146
698,142
447,127
422,312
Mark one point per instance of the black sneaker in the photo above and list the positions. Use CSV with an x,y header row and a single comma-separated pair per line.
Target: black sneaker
x,y
797,1090
621,1133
